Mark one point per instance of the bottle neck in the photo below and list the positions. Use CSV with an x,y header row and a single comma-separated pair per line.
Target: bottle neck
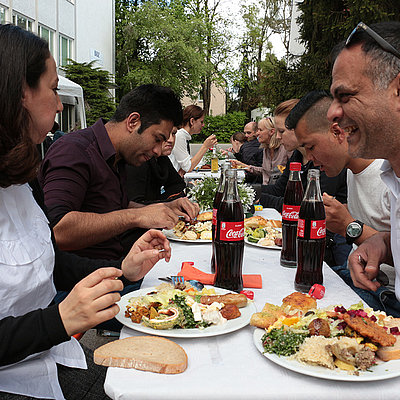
x,y
294,176
230,190
313,191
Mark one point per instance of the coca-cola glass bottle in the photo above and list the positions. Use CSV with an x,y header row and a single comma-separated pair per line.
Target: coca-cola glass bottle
x,y
217,201
229,237
290,214
311,236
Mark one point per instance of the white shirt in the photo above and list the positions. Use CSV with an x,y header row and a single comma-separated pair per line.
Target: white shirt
x,y
368,200
180,151
393,183
26,284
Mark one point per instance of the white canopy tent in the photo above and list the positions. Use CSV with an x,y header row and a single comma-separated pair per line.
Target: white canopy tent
x,y
71,93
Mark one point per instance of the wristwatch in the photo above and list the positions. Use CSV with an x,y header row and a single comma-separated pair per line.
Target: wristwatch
x,y
353,231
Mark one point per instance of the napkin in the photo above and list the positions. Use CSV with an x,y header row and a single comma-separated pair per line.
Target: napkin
x,y
189,272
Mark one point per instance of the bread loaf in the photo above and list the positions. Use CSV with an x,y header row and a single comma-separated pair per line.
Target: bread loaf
x,y
387,353
147,353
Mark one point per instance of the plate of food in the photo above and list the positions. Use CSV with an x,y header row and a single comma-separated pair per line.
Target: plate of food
x,y
265,233
335,343
166,311
198,231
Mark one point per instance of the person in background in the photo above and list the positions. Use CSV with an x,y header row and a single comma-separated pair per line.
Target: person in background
x,y
83,177
156,180
38,357
192,124
274,153
368,200
366,90
336,250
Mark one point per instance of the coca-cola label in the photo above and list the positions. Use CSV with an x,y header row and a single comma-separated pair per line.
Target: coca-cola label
x,y
214,217
317,228
232,231
290,213
301,223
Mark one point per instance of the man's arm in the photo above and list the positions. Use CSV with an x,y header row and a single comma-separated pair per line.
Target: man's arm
x,y
338,217
78,230
364,262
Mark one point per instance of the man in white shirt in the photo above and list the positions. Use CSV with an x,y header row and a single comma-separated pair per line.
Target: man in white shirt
x,y
368,198
366,90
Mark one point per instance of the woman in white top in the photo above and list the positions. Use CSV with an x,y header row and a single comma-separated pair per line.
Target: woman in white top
x,y
193,122
38,357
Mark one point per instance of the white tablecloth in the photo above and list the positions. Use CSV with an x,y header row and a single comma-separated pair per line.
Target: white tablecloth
x,y
230,366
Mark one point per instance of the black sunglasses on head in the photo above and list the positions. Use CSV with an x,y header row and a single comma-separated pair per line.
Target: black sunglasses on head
x,y
378,39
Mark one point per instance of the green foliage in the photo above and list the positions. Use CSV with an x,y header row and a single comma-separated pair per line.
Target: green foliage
x,y
223,126
95,83
323,24
156,43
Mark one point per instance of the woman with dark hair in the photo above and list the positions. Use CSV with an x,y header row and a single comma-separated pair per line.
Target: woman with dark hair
x,y
38,356
193,122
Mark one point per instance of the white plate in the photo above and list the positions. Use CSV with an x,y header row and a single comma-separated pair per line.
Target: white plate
x,y
213,330
384,370
169,233
264,247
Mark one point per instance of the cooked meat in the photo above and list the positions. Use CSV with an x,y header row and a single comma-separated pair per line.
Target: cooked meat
x,y
368,328
240,300
365,358
268,316
230,311
319,327
299,301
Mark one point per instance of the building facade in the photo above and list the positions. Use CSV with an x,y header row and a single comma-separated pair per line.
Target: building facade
x,y
81,30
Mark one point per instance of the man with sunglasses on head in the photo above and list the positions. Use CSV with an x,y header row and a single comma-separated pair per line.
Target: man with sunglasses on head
x,y
366,90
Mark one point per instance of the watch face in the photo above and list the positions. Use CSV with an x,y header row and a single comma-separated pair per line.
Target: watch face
x,y
354,230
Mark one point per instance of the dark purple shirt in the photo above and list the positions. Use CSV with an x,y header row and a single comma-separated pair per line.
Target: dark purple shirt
x,y
79,173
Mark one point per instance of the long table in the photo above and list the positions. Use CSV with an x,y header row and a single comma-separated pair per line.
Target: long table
x,y
229,366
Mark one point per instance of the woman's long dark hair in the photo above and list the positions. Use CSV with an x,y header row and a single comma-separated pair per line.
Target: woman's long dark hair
x,y
23,58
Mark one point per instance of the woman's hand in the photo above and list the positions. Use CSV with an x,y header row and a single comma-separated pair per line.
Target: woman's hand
x,y
145,253
238,164
210,141
91,301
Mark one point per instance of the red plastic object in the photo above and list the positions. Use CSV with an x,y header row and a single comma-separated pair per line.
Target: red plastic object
x,y
248,293
317,291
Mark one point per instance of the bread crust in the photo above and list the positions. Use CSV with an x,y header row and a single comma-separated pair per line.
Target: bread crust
x,y
146,353
387,353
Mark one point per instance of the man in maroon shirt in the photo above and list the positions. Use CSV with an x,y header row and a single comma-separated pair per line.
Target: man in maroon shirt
x,y
84,179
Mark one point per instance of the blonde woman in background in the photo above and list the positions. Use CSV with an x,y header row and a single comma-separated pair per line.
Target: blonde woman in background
x,y
274,153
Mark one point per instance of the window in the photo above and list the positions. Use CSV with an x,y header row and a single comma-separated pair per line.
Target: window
x,y
2,15
47,35
67,118
22,22
65,50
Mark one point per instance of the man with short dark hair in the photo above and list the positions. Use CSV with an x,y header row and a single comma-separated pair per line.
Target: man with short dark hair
x,y
84,178
366,90
368,203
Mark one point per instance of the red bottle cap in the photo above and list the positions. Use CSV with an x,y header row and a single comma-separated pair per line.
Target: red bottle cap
x,y
317,291
295,166
248,293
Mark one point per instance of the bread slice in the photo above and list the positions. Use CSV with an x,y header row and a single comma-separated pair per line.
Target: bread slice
x,y
147,353
388,353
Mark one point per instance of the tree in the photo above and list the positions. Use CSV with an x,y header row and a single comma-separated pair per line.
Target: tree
x,y
258,62
156,43
95,83
214,44
323,24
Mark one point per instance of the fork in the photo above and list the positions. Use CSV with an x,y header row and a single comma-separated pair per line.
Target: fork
x,y
178,281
